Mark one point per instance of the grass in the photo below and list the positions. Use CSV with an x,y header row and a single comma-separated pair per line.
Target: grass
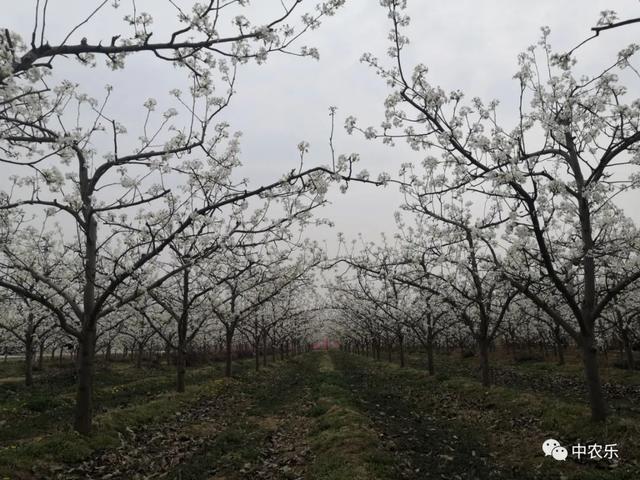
x,y
321,416
343,440
35,422
299,422
513,423
572,367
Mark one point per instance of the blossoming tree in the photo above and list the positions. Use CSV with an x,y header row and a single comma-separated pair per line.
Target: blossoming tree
x,y
117,199
573,150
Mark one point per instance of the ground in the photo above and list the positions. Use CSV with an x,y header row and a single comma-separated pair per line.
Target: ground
x,y
322,415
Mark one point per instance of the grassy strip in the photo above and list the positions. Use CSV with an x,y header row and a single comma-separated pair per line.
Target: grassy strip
x,y
573,366
235,445
300,410
228,454
42,436
515,423
344,444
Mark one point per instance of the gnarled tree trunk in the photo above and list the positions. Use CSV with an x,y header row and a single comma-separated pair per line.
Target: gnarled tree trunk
x,y
84,394
592,374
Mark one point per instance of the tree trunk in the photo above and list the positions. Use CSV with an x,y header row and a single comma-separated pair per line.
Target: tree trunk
x,y
228,345
401,344
139,357
183,325
559,344
588,344
594,386
41,356
560,348
167,352
85,355
627,349
592,372
430,366
181,367
256,349
84,395
28,360
264,350
484,362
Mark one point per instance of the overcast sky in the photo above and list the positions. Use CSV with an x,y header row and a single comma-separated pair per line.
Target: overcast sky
x,y
468,44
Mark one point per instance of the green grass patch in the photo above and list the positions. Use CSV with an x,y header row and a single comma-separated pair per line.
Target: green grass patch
x,y
344,444
514,422
35,423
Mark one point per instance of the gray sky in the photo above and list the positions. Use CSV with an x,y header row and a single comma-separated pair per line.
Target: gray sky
x,y
468,44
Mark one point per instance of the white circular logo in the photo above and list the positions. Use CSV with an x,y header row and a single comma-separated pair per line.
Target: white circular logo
x,y
560,453
549,445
